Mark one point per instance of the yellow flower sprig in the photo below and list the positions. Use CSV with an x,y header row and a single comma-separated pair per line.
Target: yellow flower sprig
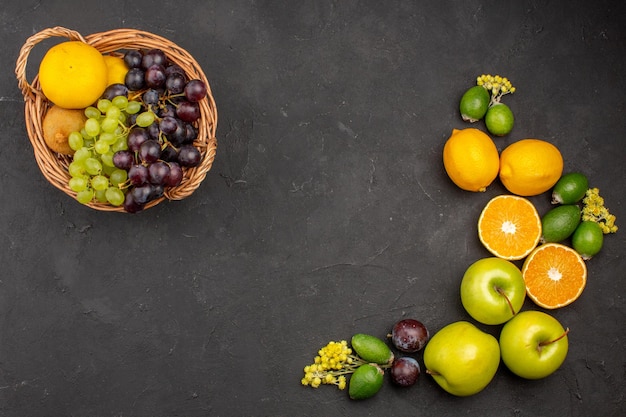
x,y
333,362
498,86
594,210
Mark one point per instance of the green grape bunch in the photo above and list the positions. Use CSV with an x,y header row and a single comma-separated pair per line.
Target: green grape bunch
x,y
93,175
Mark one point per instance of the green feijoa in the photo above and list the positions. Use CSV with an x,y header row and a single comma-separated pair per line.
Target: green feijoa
x,y
474,104
570,188
559,223
499,119
371,349
587,239
365,382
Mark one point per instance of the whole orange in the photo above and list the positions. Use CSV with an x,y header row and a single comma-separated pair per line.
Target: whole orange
x,y
73,75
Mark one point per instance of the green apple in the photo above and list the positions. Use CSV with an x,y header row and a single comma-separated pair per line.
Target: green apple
x,y
533,344
461,358
493,290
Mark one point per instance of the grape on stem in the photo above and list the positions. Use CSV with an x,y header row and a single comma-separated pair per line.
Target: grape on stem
x,y
77,184
138,174
167,109
157,191
175,176
178,137
191,133
154,57
130,205
169,153
168,125
136,137
175,69
189,156
115,90
145,118
149,151
133,58
195,90
135,79
155,76
114,196
151,97
85,196
123,159
175,83
188,111
158,172
141,194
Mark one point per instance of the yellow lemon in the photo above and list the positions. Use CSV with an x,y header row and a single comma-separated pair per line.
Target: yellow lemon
x,y
73,75
530,167
116,69
471,159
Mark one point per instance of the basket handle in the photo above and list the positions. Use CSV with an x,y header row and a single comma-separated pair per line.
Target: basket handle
x,y
28,91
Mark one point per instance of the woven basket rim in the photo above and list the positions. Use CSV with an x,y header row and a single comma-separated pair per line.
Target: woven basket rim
x,y
54,166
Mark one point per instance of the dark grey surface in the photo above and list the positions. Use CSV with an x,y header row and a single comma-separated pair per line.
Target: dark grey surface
x,y
327,211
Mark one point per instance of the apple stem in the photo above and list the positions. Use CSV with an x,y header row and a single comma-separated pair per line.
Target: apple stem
x,y
501,292
429,372
555,340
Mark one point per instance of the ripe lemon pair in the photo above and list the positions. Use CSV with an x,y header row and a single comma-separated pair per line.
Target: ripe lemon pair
x,y
527,167
73,74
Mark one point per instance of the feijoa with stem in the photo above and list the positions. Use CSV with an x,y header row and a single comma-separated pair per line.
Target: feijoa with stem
x,y
371,349
499,119
587,239
559,223
474,104
366,381
570,188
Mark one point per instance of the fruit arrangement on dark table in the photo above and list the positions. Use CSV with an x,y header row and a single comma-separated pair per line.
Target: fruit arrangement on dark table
x,y
406,209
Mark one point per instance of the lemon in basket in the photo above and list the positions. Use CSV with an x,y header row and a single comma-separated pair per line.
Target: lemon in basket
x,y
116,69
73,75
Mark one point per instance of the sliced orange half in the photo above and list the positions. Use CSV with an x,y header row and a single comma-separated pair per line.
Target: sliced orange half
x,y
509,227
555,275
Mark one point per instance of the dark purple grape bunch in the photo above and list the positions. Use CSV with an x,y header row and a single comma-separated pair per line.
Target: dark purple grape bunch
x,y
408,336
164,84
159,151
150,170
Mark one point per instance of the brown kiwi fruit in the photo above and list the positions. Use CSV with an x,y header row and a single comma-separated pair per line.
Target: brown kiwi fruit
x,y
58,123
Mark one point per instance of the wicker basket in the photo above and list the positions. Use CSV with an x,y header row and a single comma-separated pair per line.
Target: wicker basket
x,y
55,167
